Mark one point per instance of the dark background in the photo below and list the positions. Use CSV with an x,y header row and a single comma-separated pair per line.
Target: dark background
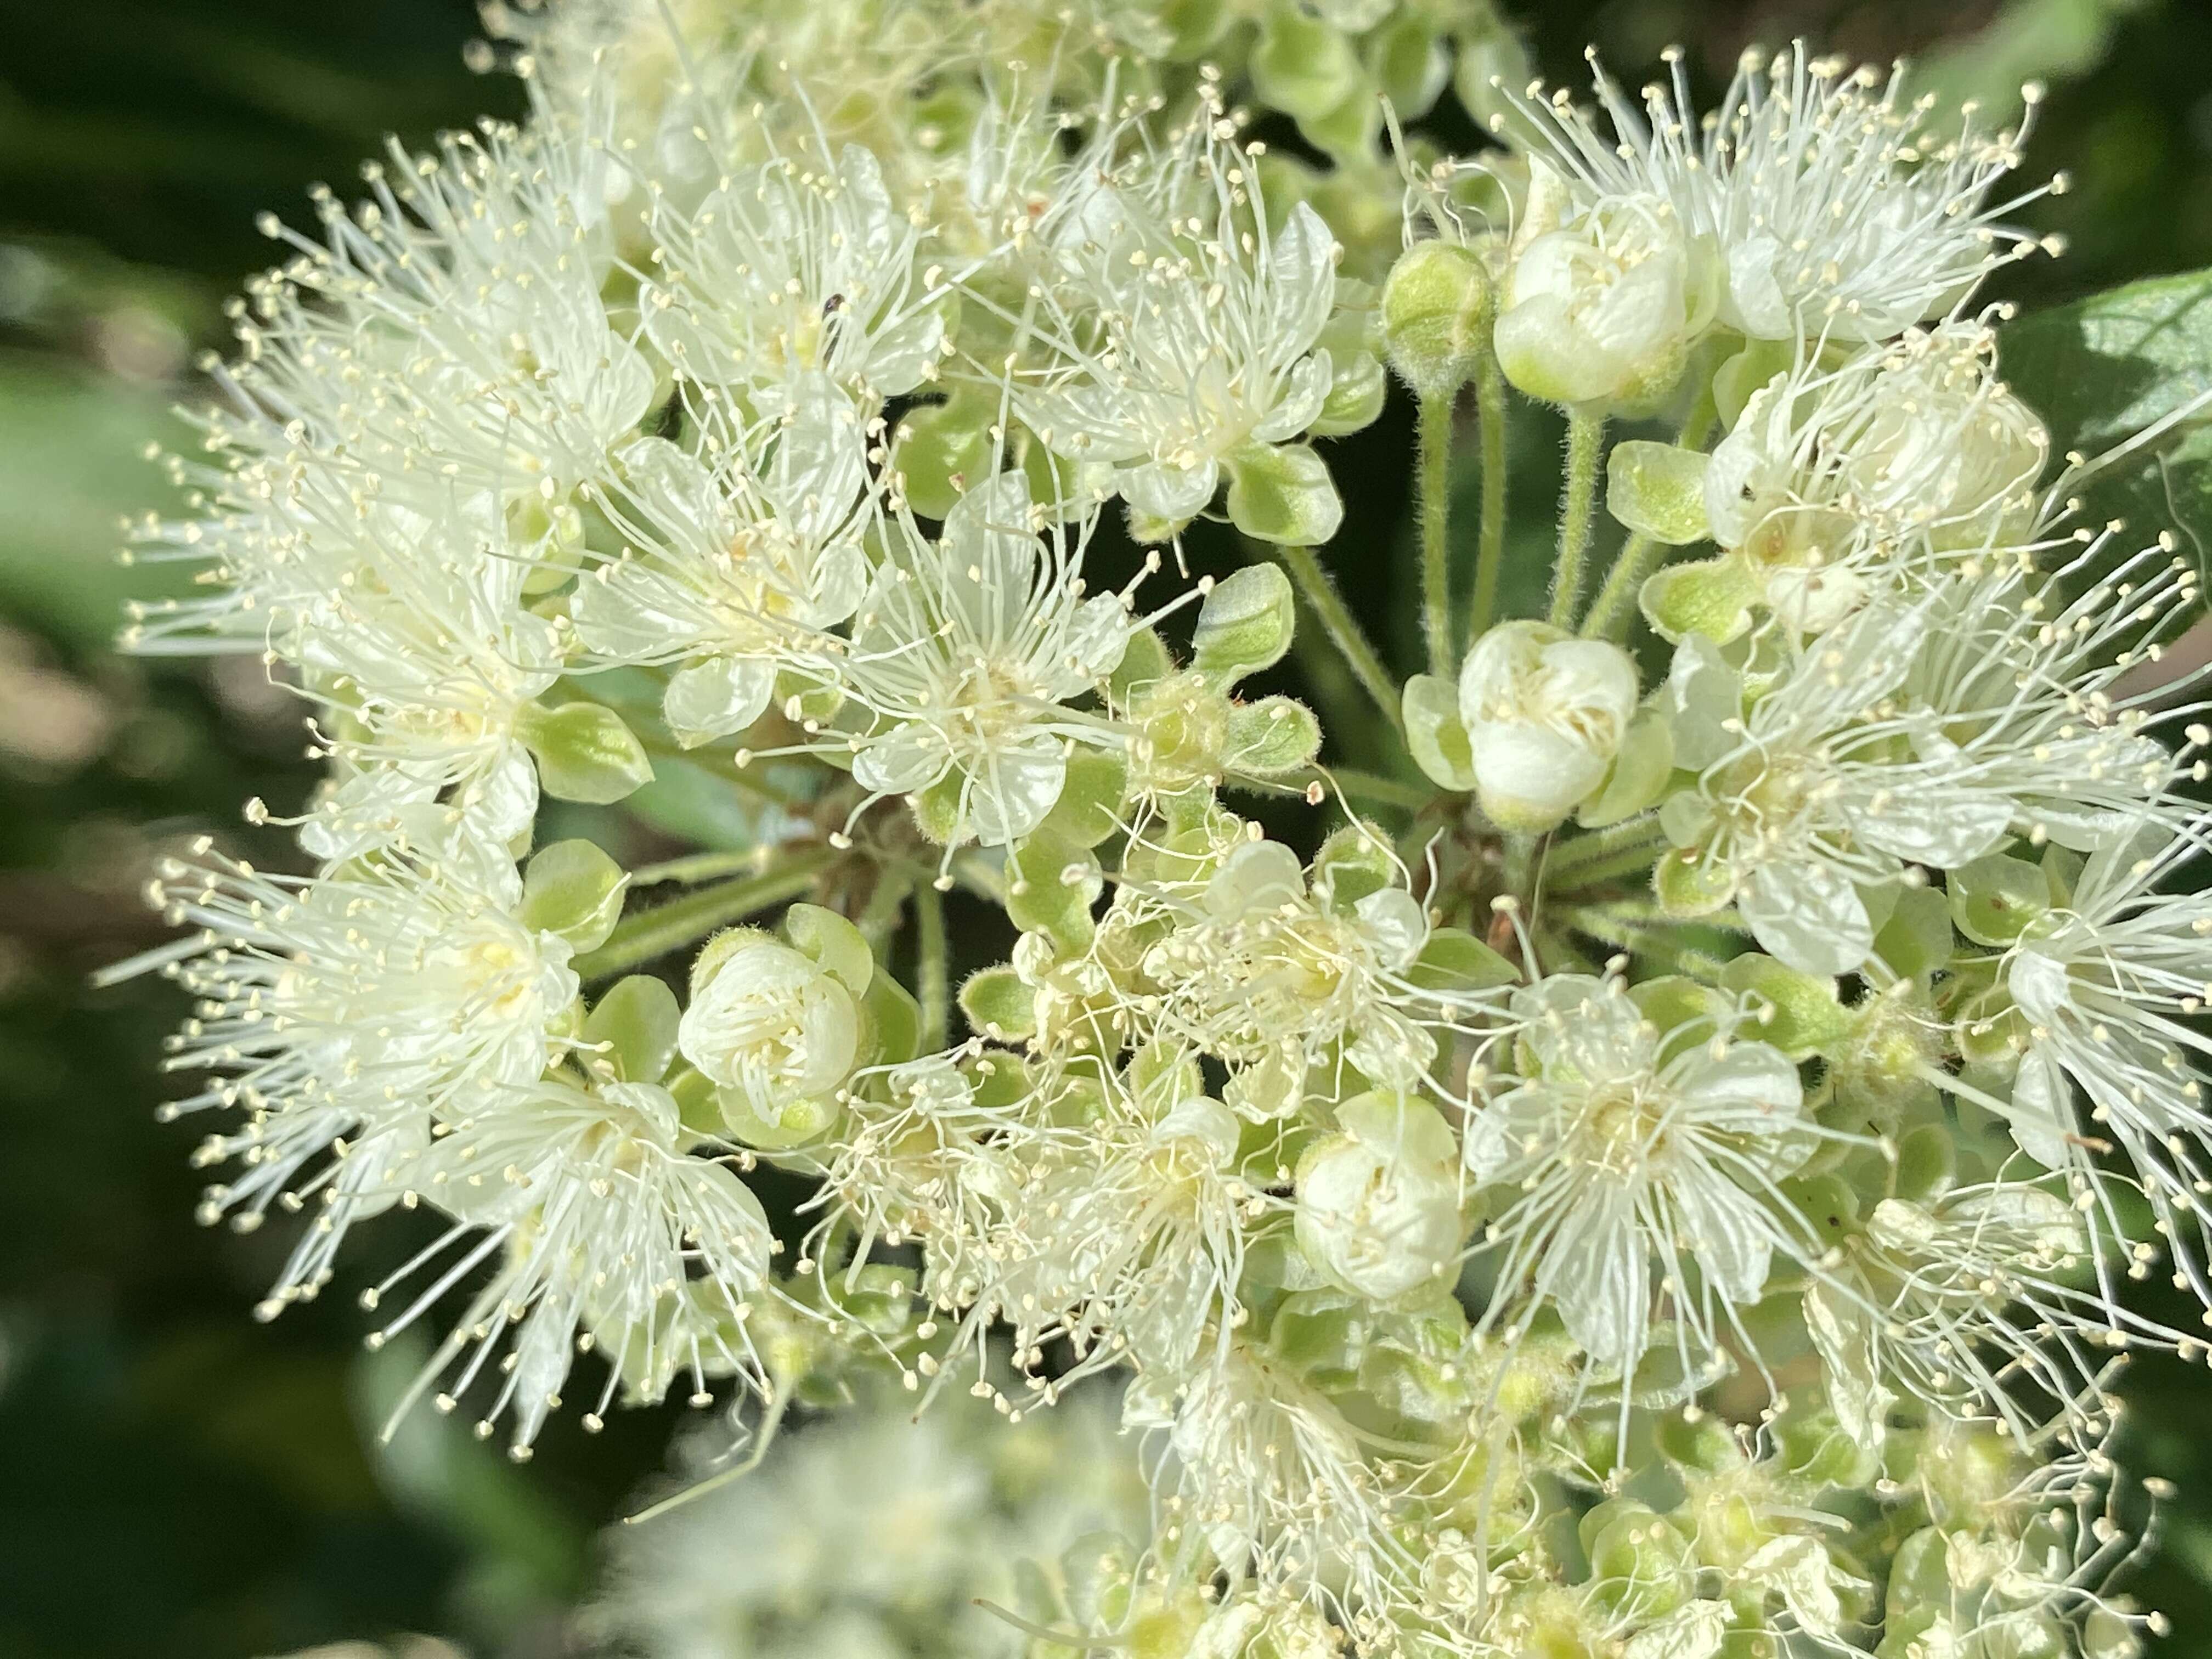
x,y
175,1479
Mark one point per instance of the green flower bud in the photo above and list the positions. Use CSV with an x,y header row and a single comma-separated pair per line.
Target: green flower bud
x,y
1658,490
634,1027
584,752
1281,493
1244,624
574,889
1435,304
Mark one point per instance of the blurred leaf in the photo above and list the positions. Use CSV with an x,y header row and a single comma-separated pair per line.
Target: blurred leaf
x,y
2106,368
71,464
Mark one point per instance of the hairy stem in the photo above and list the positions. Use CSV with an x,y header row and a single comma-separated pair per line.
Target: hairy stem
x,y
1436,440
1602,853
1578,513
1344,631
1490,547
932,987
1614,608
697,867
651,934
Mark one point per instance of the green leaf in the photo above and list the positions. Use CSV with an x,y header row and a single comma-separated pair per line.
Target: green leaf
x,y
2101,371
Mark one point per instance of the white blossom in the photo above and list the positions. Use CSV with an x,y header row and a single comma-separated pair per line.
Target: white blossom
x,y
1545,714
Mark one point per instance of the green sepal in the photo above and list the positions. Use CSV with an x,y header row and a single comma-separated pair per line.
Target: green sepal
x,y
1683,887
799,1122
1145,661
936,809
584,752
940,448
1089,809
1354,862
636,1021
1641,768
1271,737
1358,391
1281,493
1434,734
1244,624
1658,490
1916,941
574,889
890,1024
1712,597
1995,897
1675,1003
1802,1016
999,1004
1456,960
1041,898
838,947
1744,374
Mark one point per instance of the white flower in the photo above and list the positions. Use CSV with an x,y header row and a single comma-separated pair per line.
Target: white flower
x,y
769,1022
1605,309
964,656
873,1530
1626,1150
2112,985
1127,1236
348,1016
1277,977
1923,730
1835,481
1184,329
1545,714
1378,1205
799,268
729,569
599,1223
1831,203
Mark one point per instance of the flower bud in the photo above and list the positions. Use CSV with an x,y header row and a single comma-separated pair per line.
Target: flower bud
x,y
768,1023
1378,1206
1434,306
1604,312
1545,714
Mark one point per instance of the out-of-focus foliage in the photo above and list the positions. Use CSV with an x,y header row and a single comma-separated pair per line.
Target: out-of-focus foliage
x,y
177,1480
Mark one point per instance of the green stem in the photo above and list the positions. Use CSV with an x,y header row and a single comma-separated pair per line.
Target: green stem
x,y
651,934
1603,853
1578,513
1436,439
1614,610
696,867
1344,631
1668,951
1376,790
881,911
931,985
1490,547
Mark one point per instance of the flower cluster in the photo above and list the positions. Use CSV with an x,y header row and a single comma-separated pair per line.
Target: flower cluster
x,y
1639,1153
